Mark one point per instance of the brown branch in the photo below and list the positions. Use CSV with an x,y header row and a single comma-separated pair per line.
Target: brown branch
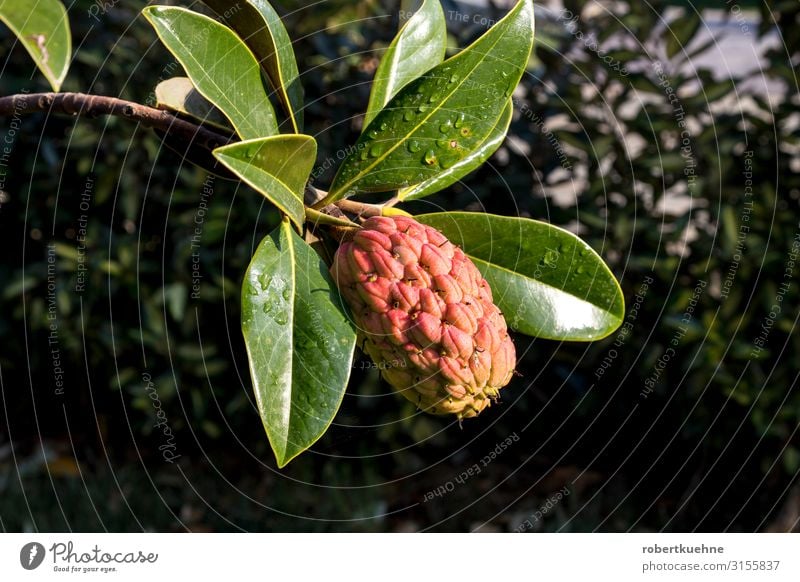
x,y
360,209
95,105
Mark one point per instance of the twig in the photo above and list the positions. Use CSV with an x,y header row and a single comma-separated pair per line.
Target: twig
x,y
95,105
361,209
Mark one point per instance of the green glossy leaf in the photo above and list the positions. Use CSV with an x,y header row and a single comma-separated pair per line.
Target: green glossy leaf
x,y
443,116
278,167
681,31
220,66
42,27
419,46
546,281
179,95
260,27
470,162
299,342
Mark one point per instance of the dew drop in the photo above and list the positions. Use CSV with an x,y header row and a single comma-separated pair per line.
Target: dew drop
x,y
462,117
448,162
430,157
433,99
267,307
423,108
286,294
454,77
442,143
281,318
413,146
584,252
383,126
373,133
579,270
446,126
364,154
264,280
408,115
376,150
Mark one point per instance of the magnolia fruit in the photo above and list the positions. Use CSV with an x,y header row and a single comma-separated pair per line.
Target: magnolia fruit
x,y
425,315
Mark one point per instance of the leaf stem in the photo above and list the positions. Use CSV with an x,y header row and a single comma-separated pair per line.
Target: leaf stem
x,y
316,217
95,105
361,209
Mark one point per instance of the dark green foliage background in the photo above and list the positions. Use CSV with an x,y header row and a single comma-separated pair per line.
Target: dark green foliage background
x,y
713,447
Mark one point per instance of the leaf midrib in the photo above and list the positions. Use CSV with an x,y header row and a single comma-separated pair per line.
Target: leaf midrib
x,y
287,230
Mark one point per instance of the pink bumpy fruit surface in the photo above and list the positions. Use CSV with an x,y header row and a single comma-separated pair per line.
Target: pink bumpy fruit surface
x,y
425,315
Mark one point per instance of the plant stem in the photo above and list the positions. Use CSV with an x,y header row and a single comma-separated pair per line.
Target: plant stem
x,y
95,105
317,217
361,209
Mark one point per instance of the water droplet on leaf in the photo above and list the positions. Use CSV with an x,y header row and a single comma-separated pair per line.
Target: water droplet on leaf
x,y
376,150
448,162
430,157
264,280
413,146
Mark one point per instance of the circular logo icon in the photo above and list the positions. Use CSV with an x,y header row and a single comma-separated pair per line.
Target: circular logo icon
x,y
31,555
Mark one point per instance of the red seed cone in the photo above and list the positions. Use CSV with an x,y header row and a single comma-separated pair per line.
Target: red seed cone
x,y
425,315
